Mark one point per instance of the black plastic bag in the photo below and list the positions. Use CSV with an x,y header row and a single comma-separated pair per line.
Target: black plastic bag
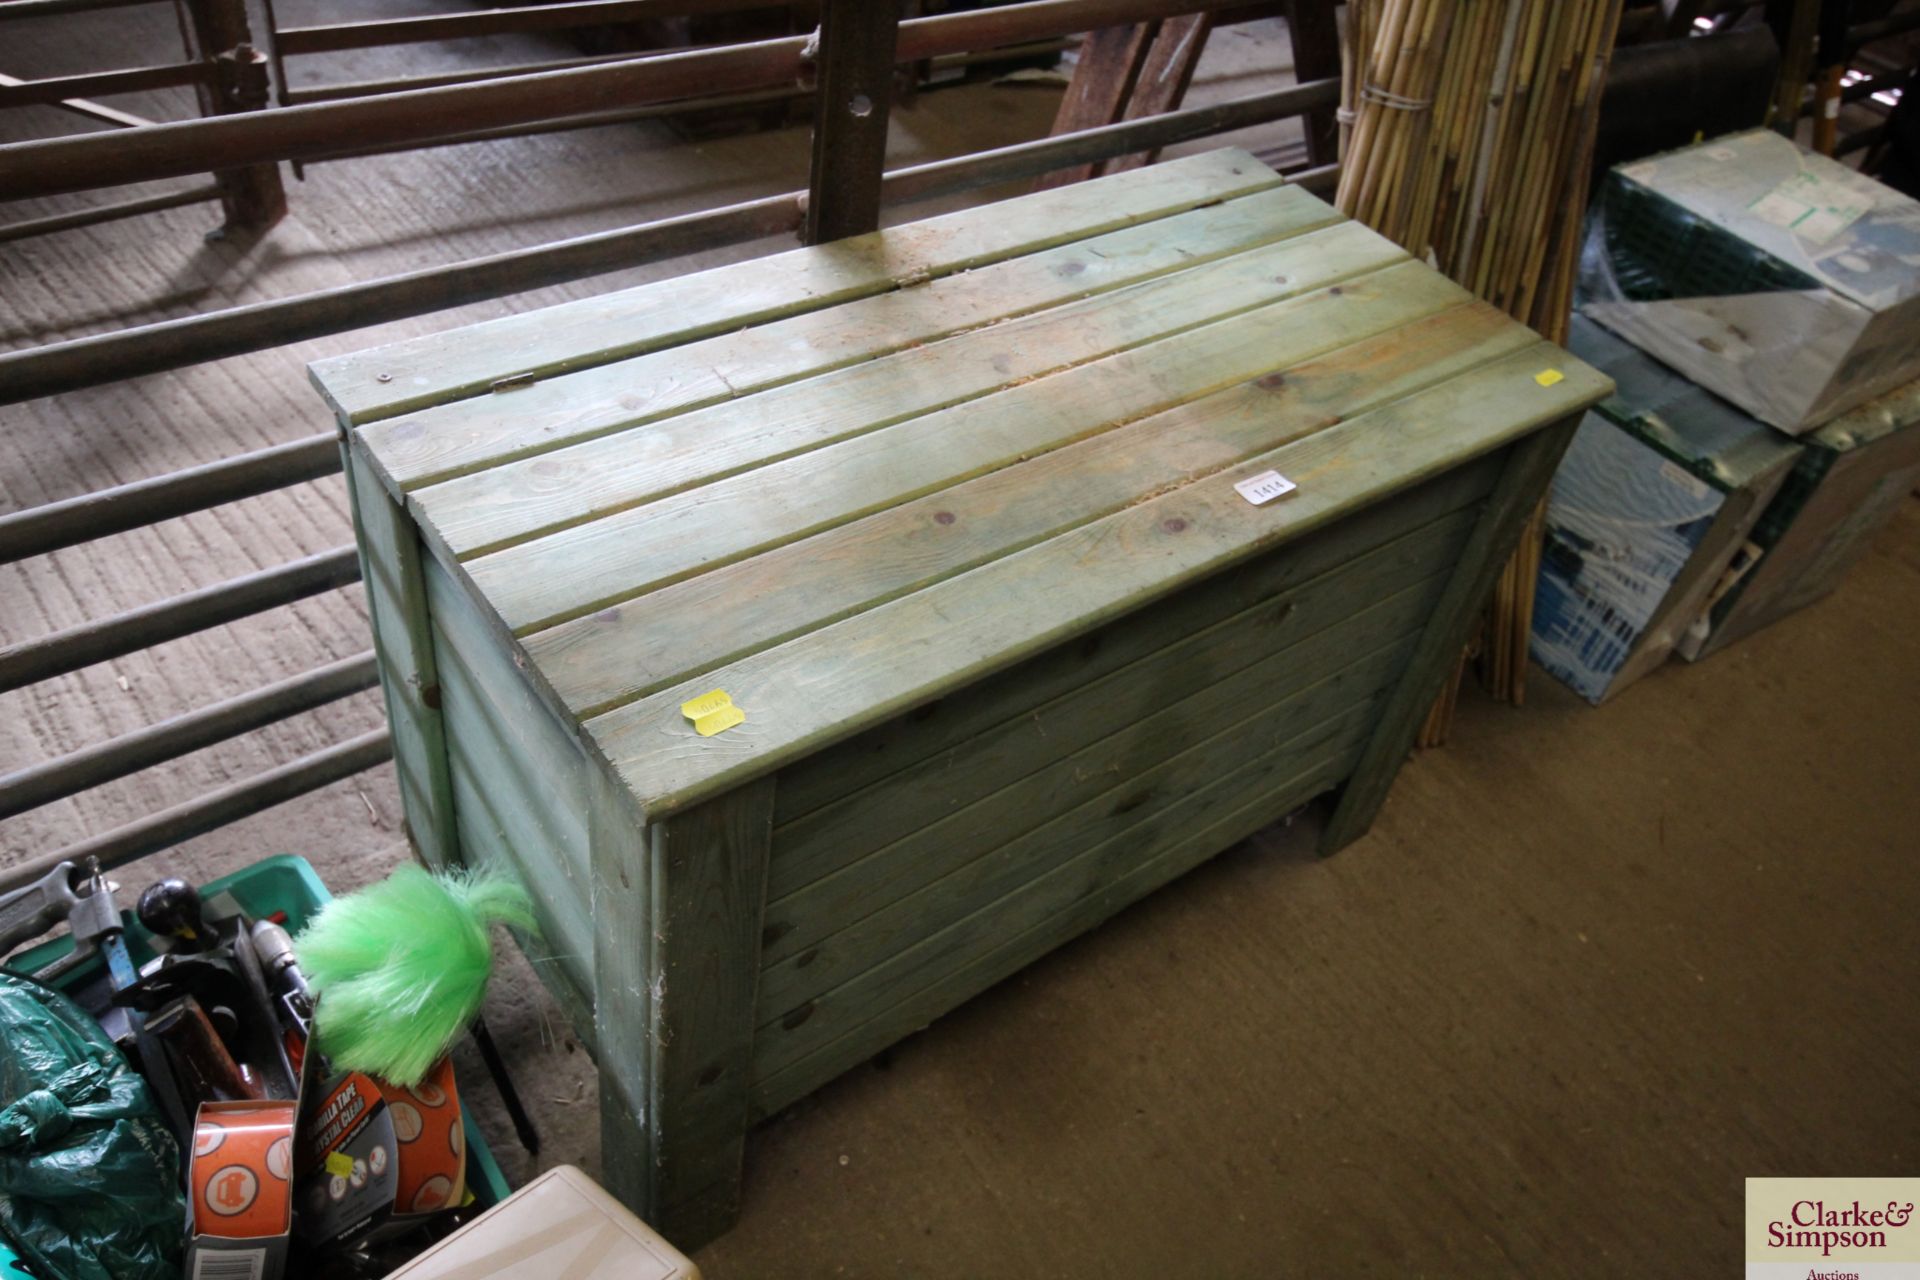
x,y
89,1172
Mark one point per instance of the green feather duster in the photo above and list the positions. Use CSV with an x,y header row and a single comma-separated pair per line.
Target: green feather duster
x,y
401,967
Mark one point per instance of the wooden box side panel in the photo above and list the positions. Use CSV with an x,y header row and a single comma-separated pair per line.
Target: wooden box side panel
x,y
1111,752
1239,658
992,849
821,780
390,570
519,784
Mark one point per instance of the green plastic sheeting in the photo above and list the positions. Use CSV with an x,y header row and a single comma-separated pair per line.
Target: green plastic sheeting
x,y
89,1173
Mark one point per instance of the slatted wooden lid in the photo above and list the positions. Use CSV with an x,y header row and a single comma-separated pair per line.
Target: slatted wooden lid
x,y
841,481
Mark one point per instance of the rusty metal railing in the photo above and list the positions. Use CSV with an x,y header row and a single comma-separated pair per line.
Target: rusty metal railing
x,y
227,75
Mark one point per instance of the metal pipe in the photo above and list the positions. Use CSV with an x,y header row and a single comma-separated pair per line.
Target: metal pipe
x,y
333,91
28,93
339,36
41,529
172,344
216,808
107,212
84,107
664,110
53,8
848,147
1321,179
1867,32
1861,90
1042,155
597,120
92,110
57,165
41,784
336,90
1861,141
96,641
275,62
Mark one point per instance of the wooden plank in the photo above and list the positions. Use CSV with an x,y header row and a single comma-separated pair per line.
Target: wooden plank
x,y
563,935
528,747
709,869
411,755
849,149
887,902
79,106
550,783
565,969
502,505
827,685
469,435
413,791
1080,895
1108,64
1008,770
1529,469
941,725
390,566
1164,77
534,824
532,828
616,654
587,567
677,914
405,376
624,1000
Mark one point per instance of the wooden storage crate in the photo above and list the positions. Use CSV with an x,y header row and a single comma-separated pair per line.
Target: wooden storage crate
x,y
950,512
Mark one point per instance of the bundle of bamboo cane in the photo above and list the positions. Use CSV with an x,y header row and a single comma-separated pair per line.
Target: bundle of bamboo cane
x,y
1471,136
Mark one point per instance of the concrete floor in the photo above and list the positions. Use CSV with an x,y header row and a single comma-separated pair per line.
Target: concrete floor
x,y
1590,970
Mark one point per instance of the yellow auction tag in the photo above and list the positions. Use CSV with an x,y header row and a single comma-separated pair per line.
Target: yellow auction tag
x,y
712,712
705,704
714,721
340,1164
1547,377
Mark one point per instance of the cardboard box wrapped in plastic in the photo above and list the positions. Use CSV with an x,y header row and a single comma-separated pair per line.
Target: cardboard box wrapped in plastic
x,y
1780,279
1657,494
1853,475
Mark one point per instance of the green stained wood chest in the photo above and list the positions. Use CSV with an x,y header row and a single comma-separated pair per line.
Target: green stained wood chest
x,y
950,513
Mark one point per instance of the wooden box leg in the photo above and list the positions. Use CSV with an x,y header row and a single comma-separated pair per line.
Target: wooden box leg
x,y
677,908
1529,467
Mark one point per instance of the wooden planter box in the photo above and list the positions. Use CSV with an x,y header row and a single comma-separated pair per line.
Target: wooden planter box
x,y
950,513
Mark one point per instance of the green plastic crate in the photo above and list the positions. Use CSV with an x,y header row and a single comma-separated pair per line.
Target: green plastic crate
x,y
284,883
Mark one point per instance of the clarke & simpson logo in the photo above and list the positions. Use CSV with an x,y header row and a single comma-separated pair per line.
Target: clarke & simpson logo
x,y
1832,1229
1812,1225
